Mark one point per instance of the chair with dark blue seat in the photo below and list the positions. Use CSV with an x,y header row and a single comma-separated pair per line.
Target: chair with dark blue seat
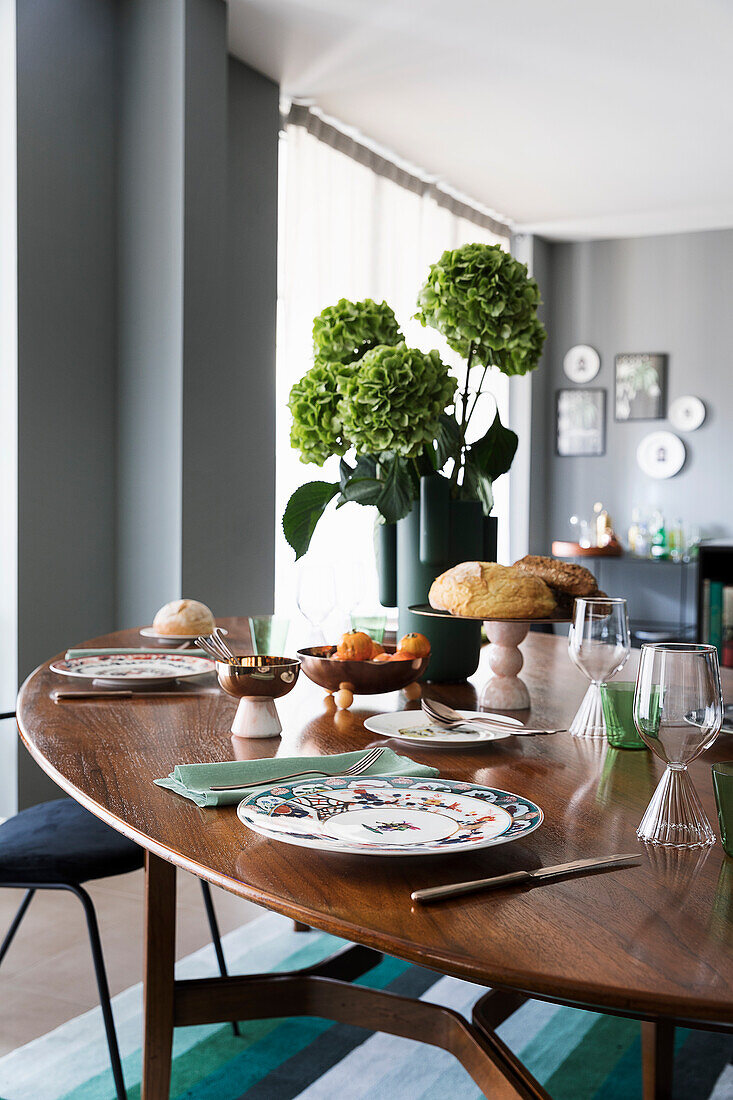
x,y
59,845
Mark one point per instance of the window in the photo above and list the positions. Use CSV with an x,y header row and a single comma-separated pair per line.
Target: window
x,y
350,231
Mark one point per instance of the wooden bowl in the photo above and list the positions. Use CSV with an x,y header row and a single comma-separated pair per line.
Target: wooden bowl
x,y
359,677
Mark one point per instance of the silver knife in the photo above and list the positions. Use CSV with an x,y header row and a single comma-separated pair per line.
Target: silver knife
x,y
434,893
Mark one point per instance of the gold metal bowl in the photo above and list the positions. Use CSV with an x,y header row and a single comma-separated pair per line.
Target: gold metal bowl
x,y
257,682
359,677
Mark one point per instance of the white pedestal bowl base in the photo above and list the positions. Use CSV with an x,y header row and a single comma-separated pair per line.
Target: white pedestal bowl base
x,y
505,690
256,717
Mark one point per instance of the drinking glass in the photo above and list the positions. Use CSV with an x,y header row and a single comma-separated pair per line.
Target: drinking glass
x,y
617,697
723,784
678,711
599,645
268,634
373,625
316,596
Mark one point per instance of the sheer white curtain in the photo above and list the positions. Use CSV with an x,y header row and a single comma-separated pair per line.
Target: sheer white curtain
x,y
347,231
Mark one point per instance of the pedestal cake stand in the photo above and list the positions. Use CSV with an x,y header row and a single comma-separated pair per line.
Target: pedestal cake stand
x,y
505,690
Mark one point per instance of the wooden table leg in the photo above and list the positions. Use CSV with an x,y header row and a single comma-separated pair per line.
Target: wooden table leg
x,y
158,990
657,1059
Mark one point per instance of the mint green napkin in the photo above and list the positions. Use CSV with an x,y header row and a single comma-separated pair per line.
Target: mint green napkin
x,y
194,781
71,653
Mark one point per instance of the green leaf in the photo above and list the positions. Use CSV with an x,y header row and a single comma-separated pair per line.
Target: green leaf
x,y
303,511
447,440
477,486
362,490
493,454
397,495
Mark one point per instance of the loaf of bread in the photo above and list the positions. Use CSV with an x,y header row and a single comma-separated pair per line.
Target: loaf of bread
x,y
184,617
562,576
490,591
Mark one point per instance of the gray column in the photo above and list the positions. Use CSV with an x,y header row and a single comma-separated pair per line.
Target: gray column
x,y
150,306
66,332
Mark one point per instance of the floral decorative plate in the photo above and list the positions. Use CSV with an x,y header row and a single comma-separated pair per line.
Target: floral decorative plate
x,y
415,726
389,815
140,667
151,632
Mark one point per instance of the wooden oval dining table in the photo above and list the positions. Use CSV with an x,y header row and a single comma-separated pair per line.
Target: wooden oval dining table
x,y
651,941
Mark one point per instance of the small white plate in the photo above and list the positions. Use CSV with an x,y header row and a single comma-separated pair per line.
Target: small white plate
x,y
149,632
415,726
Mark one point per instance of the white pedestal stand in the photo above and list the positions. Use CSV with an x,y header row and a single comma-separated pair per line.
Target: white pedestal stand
x,y
505,691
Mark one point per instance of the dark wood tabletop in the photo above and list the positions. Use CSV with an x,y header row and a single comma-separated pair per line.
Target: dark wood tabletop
x,y
651,939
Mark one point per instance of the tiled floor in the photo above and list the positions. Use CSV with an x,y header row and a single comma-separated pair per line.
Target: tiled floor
x,y
47,976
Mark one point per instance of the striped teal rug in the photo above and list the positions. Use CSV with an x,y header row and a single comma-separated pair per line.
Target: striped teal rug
x,y
576,1055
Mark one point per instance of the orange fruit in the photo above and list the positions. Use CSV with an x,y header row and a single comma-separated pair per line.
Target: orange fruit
x,y
376,649
400,655
417,645
382,657
355,645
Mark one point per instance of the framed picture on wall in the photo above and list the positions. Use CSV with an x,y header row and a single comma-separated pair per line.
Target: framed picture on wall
x,y
581,422
641,386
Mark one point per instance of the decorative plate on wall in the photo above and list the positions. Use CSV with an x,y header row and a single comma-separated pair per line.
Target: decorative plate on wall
x,y
661,454
687,413
581,363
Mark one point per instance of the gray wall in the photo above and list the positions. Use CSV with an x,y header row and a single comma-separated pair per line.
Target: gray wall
x,y
667,294
146,285
66,332
150,306
198,292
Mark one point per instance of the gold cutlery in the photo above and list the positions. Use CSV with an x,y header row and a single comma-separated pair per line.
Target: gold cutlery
x,y
542,874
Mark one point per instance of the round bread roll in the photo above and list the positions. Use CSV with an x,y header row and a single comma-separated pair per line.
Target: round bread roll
x,y
491,591
563,576
184,617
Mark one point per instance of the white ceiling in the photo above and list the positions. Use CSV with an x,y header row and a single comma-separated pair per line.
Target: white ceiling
x,y
574,118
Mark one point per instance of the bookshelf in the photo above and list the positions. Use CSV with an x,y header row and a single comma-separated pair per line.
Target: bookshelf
x,y
715,597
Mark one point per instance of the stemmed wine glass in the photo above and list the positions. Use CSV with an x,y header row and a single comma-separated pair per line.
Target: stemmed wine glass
x,y
678,711
599,645
316,596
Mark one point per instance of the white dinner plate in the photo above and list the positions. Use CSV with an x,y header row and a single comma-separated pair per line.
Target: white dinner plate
x,y
415,726
149,632
388,815
138,668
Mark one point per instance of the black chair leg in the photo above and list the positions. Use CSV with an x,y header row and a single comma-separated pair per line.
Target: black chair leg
x,y
103,987
10,935
216,937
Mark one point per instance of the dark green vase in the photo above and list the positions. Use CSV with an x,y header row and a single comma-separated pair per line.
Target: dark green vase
x,y
437,534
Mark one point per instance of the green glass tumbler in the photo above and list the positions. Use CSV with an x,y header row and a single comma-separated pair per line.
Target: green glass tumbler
x,y
617,698
373,625
268,634
723,784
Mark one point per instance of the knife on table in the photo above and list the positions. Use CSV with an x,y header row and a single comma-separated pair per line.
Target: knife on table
x,y
542,874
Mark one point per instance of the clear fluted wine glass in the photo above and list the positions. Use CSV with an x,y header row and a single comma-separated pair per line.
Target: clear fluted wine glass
x,y
315,596
678,711
599,644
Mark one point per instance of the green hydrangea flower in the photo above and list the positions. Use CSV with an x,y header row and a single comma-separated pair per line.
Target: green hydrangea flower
x,y
480,295
392,399
342,333
316,431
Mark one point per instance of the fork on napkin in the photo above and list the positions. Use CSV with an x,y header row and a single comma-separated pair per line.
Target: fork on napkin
x,y
195,781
